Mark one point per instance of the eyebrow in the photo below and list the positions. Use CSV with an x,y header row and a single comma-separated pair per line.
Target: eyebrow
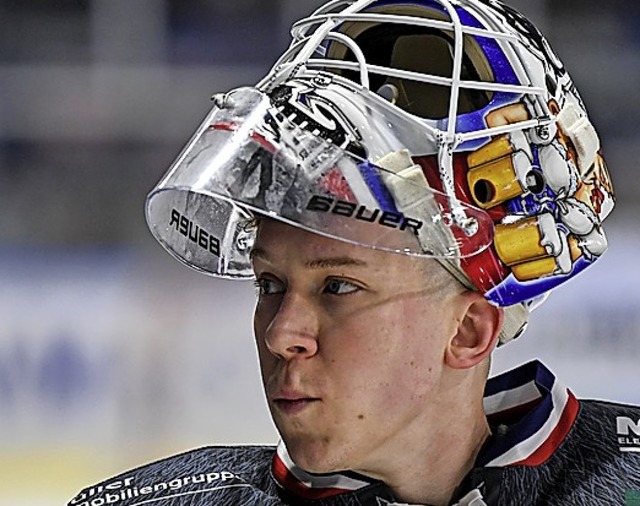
x,y
341,261
318,263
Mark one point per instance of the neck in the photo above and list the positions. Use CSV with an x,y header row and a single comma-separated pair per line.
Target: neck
x,y
430,464
436,479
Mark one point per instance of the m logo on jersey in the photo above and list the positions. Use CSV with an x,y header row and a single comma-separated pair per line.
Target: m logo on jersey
x,y
628,432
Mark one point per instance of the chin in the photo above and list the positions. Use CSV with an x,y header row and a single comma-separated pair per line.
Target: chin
x,y
314,456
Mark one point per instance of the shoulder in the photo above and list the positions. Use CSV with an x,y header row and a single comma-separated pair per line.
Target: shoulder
x,y
597,463
602,440
211,475
608,426
600,458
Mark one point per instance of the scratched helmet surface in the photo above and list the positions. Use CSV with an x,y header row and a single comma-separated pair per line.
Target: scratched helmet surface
x,y
435,128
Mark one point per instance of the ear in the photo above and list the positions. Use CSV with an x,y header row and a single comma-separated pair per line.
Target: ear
x,y
477,333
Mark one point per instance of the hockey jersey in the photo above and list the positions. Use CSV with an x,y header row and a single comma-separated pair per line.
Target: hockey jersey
x,y
546,448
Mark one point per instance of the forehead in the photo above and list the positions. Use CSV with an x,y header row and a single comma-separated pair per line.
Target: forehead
x,y
279,243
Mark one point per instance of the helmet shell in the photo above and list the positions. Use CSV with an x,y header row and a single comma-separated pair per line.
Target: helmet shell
x,y
496,136
516,138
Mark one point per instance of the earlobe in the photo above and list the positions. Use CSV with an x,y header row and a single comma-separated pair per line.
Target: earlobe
x,y
477,332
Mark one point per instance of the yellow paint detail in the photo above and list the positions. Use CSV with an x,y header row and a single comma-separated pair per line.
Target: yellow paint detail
x,y
519,242
535,269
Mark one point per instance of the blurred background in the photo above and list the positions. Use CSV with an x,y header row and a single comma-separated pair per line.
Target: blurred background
x,y
113,354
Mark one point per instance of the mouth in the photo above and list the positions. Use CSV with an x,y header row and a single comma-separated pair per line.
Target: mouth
x,y
293,405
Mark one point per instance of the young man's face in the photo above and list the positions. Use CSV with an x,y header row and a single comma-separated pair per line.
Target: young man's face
x,y
351,344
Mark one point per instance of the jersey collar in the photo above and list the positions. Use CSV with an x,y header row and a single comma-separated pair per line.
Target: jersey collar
x,y
529,411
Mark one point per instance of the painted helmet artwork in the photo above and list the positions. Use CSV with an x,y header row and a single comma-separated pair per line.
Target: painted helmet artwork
x,y
437,128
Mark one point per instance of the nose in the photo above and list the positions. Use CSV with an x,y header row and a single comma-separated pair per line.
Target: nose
x,y
292,331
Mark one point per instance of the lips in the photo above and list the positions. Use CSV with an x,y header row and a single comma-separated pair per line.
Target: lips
x,y
292,402
292,407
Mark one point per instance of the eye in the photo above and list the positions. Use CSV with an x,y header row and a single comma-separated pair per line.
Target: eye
x,y
336,286
268,286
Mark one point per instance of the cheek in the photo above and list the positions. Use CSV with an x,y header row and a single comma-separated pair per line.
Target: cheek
x,y
268,365
264,313
392,354
414,338
265,357
397,390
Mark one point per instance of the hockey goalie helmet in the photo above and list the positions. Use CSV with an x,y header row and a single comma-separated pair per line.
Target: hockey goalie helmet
x,y
440,128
